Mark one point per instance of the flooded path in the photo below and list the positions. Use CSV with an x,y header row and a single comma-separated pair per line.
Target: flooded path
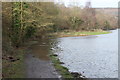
x,y
38,64
37,68
92,56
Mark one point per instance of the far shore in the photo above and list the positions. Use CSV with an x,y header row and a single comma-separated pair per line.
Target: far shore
x,y
80,33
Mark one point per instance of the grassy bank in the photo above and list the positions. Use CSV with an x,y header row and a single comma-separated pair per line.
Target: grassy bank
x,y
13,65
79,33
63,70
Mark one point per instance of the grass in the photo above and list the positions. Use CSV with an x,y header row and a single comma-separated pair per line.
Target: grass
x,y
61,69
80,33
14,69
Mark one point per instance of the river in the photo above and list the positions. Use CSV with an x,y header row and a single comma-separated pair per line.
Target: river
x,y
92,56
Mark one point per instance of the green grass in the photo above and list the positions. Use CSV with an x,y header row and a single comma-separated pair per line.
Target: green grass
x,y
91,33
80,33
61,69
14,69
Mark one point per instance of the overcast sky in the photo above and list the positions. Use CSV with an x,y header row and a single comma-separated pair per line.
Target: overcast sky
x,y
95,3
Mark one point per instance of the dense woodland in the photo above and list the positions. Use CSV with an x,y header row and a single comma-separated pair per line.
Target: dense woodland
x,y
24,20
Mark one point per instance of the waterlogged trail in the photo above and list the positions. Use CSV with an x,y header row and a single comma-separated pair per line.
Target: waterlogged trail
x,y
37,62
37,68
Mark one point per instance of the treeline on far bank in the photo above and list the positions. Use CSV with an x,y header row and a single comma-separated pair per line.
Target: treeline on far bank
x,y
23,20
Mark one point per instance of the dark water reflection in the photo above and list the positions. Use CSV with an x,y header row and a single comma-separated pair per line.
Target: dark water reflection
x,y
43,48
93,56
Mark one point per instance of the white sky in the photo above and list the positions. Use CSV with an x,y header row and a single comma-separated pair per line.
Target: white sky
x,y
95,3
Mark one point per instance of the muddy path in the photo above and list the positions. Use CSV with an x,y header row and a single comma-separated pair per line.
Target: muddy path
x,y
37,62
36,68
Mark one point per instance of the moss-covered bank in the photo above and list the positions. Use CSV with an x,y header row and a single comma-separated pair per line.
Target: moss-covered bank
x,y
63,70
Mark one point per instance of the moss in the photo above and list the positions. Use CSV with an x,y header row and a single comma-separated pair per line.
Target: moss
x,y
61,69
64,71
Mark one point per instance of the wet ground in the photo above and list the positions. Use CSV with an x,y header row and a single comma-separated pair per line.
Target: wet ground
x,y
37,62
37,68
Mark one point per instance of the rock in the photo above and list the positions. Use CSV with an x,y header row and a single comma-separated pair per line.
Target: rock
x,y
75,74
54,55
62,63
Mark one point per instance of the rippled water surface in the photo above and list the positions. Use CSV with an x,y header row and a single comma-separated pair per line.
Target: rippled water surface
x,y
93,56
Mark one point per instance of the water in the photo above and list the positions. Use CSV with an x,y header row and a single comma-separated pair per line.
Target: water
x,y
92,56
41,49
